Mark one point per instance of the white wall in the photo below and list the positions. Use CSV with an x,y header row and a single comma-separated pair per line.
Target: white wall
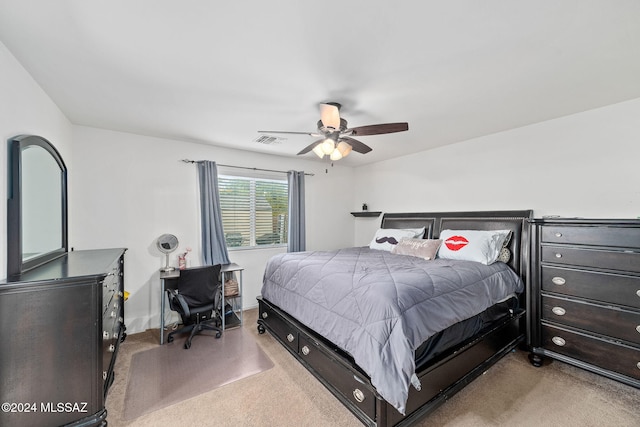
x,y
583,165
25,109
129,189
125,190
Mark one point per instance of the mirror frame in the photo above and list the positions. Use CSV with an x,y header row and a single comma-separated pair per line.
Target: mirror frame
x,y
15,263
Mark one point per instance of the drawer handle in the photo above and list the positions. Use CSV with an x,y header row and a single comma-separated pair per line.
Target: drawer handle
x,y
305,350
359,395
558,234
638,292
638,365
558,281
559,311
558,341
265,315
638,328
558,255
290,338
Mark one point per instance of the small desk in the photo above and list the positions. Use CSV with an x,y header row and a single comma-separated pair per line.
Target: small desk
x,y
235,301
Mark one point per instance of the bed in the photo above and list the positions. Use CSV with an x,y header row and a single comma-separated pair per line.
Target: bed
x,y
359,323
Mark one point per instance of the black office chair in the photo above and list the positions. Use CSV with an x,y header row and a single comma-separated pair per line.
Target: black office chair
x,y
197,299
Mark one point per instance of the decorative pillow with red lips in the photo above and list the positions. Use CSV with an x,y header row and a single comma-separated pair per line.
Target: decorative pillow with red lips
x,y
472,245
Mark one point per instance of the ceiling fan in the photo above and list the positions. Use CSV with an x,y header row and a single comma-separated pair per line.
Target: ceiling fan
x,y
336,138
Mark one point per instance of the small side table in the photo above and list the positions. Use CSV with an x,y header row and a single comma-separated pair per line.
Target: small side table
x,y
165,275
232,303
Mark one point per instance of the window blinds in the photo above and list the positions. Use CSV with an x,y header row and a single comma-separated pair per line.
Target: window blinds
x,y
254,211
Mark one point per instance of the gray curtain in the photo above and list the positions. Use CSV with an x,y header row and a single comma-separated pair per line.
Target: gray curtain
x,y
214,246
297,240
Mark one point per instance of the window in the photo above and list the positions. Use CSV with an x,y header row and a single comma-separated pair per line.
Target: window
x,y
255,211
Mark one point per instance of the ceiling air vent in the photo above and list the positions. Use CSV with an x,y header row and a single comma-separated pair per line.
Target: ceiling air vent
x,y
268,140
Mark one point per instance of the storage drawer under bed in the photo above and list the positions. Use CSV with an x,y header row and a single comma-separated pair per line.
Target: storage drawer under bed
x,y
281,330
320,359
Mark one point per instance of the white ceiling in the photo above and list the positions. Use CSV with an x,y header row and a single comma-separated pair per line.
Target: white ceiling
x,y
217,72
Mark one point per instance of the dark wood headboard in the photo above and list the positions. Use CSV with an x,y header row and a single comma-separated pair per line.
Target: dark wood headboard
x,y
516,221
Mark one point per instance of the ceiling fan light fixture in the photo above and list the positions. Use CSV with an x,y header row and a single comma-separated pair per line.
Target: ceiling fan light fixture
x,y
344,148
318,151
335,155
328,145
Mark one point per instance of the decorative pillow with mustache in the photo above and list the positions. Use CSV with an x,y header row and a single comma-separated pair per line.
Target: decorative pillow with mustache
x,y
386,238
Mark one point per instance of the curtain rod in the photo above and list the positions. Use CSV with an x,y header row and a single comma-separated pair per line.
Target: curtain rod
x,y
241,167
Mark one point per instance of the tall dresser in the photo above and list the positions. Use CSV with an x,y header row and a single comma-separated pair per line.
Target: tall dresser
x,y
62,324
584,303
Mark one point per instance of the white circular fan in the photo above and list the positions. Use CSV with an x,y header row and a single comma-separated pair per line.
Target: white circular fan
x,y
167,243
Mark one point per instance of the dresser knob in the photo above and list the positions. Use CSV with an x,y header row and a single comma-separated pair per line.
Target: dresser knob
x,y
558,341
558,281
638,365
558,255
638,328
290,338
558,234
305,350
358,395
559,311
638,292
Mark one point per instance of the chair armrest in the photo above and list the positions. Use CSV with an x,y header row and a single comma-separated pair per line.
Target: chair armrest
x,y
174,299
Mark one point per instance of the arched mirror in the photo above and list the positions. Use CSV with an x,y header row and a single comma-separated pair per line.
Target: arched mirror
x,y
37,204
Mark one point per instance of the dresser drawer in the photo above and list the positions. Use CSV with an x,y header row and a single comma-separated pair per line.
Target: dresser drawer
x,y
588,235
618,358
605,287
605,259
613,322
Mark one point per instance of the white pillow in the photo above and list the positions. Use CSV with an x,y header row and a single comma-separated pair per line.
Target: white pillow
x,y
472,245
418,232
386,238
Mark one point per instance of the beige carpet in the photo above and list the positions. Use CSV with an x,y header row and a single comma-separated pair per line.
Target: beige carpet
x,y
168,374
512,393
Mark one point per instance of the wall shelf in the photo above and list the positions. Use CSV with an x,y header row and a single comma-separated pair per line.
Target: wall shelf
x,y
366,214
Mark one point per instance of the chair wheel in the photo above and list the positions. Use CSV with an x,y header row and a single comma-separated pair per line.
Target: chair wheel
x,y
170,338
261,329
218,334
187,345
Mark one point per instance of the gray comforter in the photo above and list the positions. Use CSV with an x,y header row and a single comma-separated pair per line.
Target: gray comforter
x,y
379,306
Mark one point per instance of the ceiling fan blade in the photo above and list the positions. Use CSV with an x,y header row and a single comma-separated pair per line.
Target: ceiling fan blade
x,y
379,129
356,145
310,147
330,115
290,133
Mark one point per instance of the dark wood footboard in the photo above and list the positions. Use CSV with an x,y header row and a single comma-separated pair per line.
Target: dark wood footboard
x,y
440,380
